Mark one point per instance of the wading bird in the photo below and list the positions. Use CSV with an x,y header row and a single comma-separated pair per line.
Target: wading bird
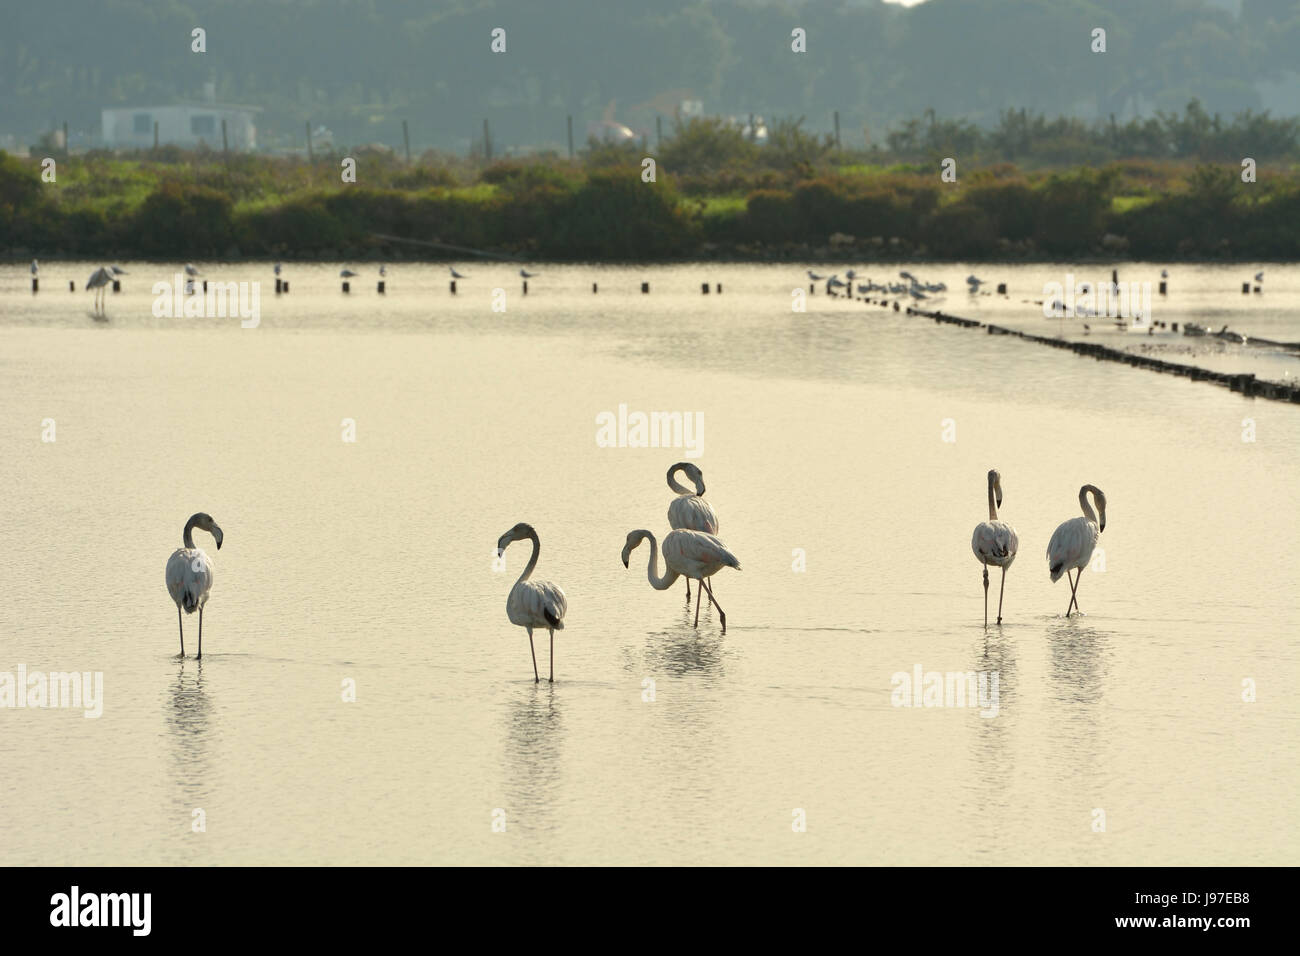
x,y
533,603
189,575
994,542
690,554
1073,542
689,511
99,281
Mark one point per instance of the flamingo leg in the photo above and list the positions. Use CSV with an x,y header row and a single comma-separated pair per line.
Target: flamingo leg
x,y
697,602
181,628
1001,588
552,633
986,595
1074,592
688,592
200,654
722,615
533,651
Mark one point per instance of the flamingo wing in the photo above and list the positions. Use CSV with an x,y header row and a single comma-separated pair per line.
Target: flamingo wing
x,y
995,542
537,604
189,578
1071,546
692,513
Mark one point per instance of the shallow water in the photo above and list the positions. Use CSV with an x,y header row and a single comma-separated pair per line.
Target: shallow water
x,y
825,431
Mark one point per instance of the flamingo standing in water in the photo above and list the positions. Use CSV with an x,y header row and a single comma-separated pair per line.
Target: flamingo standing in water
x,y
689,510
189,575
1073,542
690,554
994,542
533,603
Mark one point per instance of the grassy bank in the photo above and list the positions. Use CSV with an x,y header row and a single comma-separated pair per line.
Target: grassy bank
x,y
177,205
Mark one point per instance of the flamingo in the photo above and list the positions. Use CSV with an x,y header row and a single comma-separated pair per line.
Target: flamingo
x,y
994,542
1073,542
689,510
533,603
98,282
690,554
189,575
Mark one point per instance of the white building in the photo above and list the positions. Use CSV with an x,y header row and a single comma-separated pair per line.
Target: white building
x,y
187,126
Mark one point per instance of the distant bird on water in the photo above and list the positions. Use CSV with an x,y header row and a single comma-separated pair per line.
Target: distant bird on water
x,y
528,275
814,276
383,269
1259,277
974,283
691,554
189,575
533,603
190,270
98,282
689,510
277,268
1073,542
994,542
117,270
35,268
457,275
347,273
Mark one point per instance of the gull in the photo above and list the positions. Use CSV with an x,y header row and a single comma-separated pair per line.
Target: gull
x,y
457,275
526,274
347,273
190,270
35,268
814,276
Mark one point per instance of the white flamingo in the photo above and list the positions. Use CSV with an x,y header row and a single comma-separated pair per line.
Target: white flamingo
x,y
690,554
994,542
689,510
1073,542
533,603
97,283
189,575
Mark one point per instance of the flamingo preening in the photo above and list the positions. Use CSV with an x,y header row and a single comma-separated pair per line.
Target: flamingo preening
x,y
690,554
189,575
994,542
1073,542
689,510
533,603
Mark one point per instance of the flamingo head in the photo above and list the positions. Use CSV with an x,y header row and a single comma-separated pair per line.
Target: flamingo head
x,y
633,539
693,474
204,521
517,533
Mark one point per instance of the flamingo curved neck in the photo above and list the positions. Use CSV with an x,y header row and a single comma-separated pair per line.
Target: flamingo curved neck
x,y
676,486
993,507
1083,502
652,568
189,532
532,562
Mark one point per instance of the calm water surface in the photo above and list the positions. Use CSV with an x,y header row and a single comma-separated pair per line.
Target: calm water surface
x,y
823,436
